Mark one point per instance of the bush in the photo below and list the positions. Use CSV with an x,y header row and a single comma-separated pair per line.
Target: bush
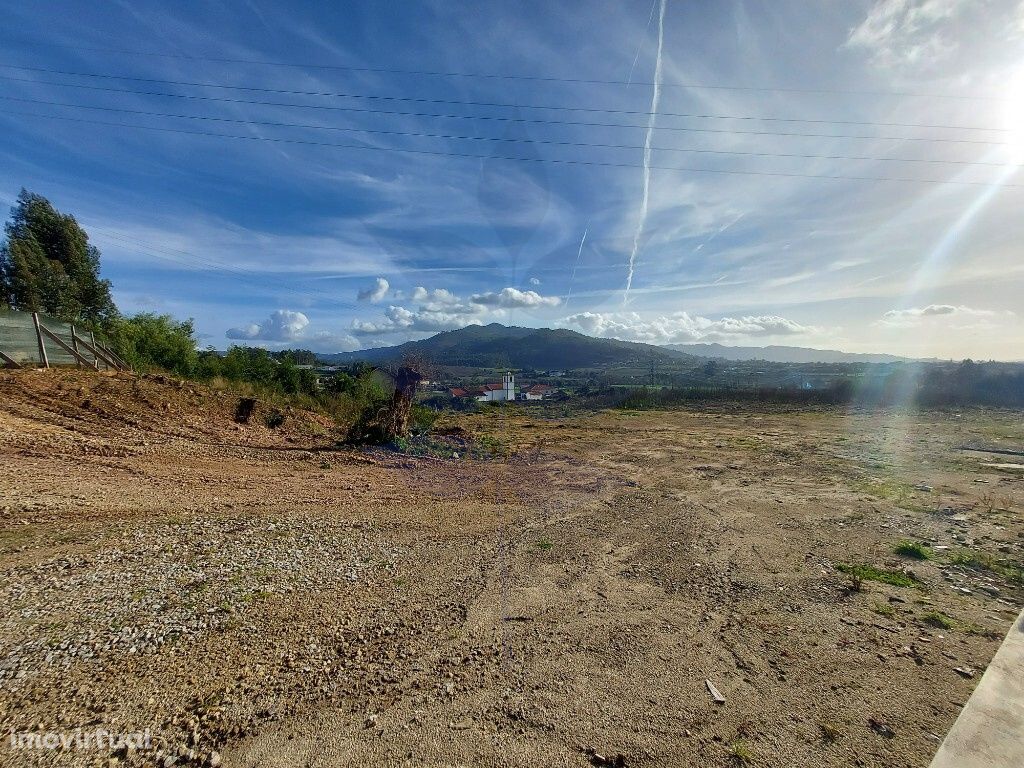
x,y
147,341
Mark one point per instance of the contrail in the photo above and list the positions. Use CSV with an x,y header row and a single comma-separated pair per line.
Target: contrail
x,y
577,264
655,98
636,58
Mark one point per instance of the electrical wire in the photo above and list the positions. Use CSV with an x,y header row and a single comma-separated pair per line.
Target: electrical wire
x,y
558,161
453,137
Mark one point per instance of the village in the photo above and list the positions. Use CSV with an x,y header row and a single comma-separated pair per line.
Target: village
x,y
504,390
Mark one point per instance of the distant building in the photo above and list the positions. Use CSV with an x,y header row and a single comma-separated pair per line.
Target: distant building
x,y
538,392
505,390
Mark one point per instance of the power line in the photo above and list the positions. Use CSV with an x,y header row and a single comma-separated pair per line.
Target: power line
x,y
335,94
527,78
548,142
557,161
503,118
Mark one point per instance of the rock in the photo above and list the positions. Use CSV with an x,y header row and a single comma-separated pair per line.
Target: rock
x,y
880,727
966,672
214,759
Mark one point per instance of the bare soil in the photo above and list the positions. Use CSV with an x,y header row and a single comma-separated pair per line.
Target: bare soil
x,y
258,596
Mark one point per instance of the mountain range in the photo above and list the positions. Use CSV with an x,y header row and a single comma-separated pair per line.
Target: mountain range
x,y
782,354
496,346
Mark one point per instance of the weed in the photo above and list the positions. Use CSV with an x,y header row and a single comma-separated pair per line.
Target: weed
x,y
983,561
913,549
325,465
740,753
859,573
938,620
830,732
883,609
545,544
274,419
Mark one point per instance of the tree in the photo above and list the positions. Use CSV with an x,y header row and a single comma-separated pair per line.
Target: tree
x,y
47,265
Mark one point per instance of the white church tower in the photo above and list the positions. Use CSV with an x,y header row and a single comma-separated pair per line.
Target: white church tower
x,y
510,386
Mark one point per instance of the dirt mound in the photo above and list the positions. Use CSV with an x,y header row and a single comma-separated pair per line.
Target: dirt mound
x,y
71,411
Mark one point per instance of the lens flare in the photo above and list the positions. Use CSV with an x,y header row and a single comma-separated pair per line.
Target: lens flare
x,y
1014,116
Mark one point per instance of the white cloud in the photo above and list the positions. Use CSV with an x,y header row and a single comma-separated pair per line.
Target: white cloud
x,y
282,325
918,315
329,341
286,327
513,298
534,281
439,309
400,319
683,327
376,293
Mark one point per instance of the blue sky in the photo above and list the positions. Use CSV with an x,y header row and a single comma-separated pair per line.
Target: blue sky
x,y
274,238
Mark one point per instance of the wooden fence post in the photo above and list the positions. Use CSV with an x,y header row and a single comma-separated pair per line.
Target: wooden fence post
x,y
39,337
74,345
92,340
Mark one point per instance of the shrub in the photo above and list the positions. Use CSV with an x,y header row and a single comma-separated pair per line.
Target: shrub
x,y
147,341
912,549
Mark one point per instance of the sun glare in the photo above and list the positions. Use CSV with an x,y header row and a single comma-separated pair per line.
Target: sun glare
x,y
1015,115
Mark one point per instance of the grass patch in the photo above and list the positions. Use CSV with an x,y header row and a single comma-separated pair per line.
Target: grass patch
x,y
900,494
938,620
883,609
983,561
545,544
859,573
740,753
913,549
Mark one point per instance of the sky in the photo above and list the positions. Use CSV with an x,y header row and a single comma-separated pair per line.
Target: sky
x,y
339,176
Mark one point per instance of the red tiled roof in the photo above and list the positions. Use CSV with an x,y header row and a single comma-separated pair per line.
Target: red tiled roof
x,y
538,389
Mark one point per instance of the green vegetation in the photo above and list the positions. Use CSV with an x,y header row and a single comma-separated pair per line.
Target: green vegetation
x,y
983,561
740,753
883,609
859,573
545,544
938,620
913,549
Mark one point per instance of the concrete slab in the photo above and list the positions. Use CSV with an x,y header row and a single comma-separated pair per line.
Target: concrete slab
x,y
989,733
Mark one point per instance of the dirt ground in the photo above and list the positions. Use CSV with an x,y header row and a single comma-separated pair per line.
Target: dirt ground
x,y
259,597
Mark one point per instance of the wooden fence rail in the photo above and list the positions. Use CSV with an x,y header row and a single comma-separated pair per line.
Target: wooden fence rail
x,y
30,340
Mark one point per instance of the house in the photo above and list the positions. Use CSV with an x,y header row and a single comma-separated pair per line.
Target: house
x,y
504,391
538,392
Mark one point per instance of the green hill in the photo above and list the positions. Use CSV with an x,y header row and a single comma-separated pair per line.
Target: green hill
x,y
496,346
